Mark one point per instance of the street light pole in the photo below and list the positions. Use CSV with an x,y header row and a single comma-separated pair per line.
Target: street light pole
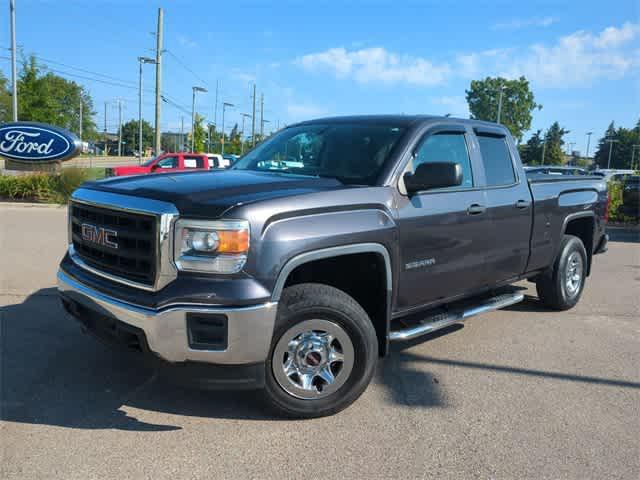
x,y
611,142
193,113
141,60
14,75
544,146
588,143
224,107
244,115
502,87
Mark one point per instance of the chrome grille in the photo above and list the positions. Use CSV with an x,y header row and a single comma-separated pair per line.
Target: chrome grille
x,y
135,256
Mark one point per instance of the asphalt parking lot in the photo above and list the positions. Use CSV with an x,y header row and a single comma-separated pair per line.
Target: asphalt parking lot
x,y
519,393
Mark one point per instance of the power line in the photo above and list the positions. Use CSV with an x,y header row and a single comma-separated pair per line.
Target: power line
x,y
186,67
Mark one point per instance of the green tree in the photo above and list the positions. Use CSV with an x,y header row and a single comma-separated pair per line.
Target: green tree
x,y
531,152
553,145
518,103
49,98
622,149
200,134
5,100
130,135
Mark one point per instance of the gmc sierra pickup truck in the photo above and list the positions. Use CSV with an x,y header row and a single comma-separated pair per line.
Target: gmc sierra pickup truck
x,y
293,270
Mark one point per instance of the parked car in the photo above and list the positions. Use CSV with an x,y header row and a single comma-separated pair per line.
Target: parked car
x,y
296,280
610,173
218,161
165,163
556,170
631,196
231,158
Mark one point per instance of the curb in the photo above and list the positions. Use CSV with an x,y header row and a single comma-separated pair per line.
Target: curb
x,y
30,205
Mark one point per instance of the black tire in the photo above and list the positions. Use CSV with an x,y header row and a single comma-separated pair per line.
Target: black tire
x,y
299,306
553,286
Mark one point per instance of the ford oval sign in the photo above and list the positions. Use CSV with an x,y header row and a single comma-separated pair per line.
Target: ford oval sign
x,y
37,142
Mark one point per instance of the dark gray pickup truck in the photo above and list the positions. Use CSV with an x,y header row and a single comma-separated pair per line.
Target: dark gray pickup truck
x,y
293,270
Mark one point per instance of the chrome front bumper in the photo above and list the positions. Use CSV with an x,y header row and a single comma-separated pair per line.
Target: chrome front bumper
x,y
249,328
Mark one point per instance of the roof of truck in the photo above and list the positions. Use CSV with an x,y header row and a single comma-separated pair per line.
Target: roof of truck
x,y
399,120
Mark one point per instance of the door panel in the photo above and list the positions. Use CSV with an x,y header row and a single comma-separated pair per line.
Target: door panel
x,y
442,246
510,209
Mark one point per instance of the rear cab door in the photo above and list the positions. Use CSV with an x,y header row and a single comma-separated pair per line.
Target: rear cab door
x,y
194,162
509,203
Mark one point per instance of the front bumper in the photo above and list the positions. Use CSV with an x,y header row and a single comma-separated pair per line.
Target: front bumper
x,y
248,329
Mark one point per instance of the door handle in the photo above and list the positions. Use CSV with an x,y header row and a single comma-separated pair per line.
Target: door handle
x,y
476,209
523,204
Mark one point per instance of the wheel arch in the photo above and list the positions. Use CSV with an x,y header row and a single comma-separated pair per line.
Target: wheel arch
x,y
379,310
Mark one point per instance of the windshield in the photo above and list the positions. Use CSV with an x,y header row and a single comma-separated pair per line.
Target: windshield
x,y
353,154
149,162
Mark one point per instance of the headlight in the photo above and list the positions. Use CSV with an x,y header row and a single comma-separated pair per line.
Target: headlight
x,y
218,246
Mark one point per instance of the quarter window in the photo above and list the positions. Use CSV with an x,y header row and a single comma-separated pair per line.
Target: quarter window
x,y
193,162
498,167
446,147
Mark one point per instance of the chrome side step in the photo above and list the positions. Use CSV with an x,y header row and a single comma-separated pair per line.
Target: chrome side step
x,y
442,320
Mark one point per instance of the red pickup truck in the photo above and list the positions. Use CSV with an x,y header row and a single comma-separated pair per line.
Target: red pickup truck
x,y
165,163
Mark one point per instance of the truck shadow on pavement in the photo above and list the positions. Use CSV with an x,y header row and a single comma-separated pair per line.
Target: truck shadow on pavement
x,y
53,374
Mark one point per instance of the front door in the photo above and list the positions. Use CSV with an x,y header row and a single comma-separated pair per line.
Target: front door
x,y
443,232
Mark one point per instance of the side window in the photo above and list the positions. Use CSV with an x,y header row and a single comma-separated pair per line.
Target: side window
x,y
498,166
168,162
193,162
446,147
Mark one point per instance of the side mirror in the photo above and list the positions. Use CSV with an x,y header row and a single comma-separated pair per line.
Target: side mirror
x,y
433,175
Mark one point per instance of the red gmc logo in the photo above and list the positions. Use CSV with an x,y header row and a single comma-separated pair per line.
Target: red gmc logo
x,y
99,235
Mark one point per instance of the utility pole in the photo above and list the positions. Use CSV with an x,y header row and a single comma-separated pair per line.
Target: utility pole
x,y
261,116
181,132
224,106
544,146
158,132
588,143
14,75
119,127
105,128
253,118
80,126
264,120
244,116
215,111
611,142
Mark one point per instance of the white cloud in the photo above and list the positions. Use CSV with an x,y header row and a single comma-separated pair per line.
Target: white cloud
x,y
456,106
574,60
243,77
186,42
371,65
577,59
304,111
519,23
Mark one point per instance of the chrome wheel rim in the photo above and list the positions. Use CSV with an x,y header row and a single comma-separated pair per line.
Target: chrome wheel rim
x,y
313,359
573,275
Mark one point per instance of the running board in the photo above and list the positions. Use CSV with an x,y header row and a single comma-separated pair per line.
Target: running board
x,y
442,320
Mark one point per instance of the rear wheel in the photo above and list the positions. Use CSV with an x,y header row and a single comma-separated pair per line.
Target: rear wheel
x,y
561,286
323,353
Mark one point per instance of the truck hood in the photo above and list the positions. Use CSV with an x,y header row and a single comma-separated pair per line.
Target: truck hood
x,y
130,170
209,194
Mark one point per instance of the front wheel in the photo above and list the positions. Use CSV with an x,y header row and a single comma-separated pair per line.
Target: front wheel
x,y
323,353
561,286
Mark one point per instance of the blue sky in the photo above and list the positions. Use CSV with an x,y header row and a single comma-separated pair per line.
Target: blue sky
x,y
332,58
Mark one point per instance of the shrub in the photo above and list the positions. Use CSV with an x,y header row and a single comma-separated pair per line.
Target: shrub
x,y
43,187
64,183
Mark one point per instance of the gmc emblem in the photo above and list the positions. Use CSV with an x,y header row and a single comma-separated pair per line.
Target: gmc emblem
x,y
99,235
